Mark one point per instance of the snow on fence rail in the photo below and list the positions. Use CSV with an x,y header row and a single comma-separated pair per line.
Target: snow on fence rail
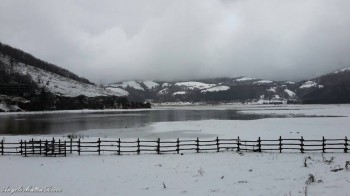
x,y
61,148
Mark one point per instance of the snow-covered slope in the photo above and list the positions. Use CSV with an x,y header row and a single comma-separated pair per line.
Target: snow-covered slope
x,y
216,89
150,84
290,93
137,85
131,84
263,82
163,91
199,90
179,93
192,85
245,89
55,83
245,79
118,90
342,70
310,84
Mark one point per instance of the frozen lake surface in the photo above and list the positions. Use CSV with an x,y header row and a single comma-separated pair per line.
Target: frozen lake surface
x,y
185,122
98,121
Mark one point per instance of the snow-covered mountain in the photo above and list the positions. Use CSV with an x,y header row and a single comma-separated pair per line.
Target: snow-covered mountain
x,y
30,84
242,89
52,82
23,71
330,88
210,90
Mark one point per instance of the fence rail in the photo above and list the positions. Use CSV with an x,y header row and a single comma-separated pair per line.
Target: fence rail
x,y
77,146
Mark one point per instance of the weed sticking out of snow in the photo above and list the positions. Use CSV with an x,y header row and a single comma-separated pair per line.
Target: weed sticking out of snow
x,y
310,179
347,164
201,172
327,161
337,168
305,160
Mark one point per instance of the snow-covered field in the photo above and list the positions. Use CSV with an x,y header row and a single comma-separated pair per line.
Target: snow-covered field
x,y
224,173
227,173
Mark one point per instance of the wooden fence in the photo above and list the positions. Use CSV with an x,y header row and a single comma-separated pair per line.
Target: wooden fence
x,y
108,146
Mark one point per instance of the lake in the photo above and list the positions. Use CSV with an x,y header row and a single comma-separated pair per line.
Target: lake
x,y
92,123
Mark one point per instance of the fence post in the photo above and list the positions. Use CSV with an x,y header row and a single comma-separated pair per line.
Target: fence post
x,y
302,144
21,147
238,144
25,148
65,148
99,146
71,145
119,146
178,145
259,144
33,145
346,144
2,147
79,146
323,145
40,147
59,146
138,146
280,144
53,146
46,147
197,145
217,144
158,146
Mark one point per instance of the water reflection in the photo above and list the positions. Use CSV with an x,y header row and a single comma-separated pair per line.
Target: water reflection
x,y
76,122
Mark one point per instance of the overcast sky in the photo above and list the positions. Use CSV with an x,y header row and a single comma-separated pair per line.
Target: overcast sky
x,y
113,40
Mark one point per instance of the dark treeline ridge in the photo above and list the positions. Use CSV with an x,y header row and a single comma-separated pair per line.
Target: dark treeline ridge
x,y
47,101
20,56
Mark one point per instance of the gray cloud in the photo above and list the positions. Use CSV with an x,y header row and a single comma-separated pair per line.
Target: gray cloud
x,y
115,40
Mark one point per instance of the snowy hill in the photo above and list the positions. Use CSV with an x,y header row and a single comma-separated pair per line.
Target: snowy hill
x,y
330,88
55,83
194,85
213,90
